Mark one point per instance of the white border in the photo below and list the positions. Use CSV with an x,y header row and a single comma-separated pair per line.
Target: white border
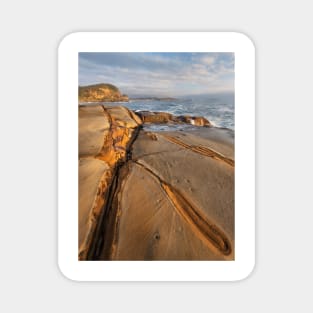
x,y
244,261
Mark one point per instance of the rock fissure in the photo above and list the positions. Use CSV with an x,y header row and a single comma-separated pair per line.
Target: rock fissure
x,y
117,136
201,150
208,231
100,237
107,231
133,202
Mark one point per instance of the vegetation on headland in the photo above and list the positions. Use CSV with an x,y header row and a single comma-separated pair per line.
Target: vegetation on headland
x,y
109,93
100,93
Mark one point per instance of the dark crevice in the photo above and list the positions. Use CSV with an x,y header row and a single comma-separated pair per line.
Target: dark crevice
x,y
101,246
106,233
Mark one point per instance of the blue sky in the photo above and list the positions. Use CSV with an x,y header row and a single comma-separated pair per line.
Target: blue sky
x,y
159,74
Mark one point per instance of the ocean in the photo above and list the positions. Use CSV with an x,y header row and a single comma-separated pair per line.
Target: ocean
x,y
217,108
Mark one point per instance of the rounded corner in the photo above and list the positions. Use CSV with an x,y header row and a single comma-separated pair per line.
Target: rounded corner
x,y
67,39
248,273
245,39
65,274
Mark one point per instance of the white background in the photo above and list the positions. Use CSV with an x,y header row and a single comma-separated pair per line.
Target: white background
x,y
30,32
244,52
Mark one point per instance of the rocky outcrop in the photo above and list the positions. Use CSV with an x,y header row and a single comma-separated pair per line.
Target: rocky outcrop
x,y
166,195
164,117
176,200
101,93
104,138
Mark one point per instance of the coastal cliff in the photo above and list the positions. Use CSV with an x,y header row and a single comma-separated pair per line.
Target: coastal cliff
x,y
154,195
100,93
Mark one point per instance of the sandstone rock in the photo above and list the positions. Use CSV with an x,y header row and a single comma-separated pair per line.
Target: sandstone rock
x,y
94,178
155,117
150,228
104,137
175,202
123,117
193,120
153,195
94,126
164,117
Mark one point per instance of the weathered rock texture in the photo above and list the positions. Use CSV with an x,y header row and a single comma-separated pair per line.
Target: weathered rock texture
x,y
164,117
153,195
104,138
100,93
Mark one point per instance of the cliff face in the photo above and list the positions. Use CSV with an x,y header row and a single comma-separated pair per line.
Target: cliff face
x,y
100,93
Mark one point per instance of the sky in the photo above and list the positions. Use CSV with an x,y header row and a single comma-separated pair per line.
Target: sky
x,y
159,74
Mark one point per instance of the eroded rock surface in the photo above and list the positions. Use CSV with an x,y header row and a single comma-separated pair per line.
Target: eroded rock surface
x,y
94,128
94,178
176,200
154,195
164,117
104,136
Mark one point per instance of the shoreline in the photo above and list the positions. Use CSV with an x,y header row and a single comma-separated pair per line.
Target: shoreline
x,y
146,186
147,124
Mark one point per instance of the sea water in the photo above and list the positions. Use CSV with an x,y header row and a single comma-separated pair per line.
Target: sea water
x,y
217,108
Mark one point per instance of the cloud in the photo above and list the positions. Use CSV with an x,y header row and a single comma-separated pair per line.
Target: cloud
x,y
159,73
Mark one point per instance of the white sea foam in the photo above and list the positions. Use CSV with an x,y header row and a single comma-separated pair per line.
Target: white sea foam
x,y
218,109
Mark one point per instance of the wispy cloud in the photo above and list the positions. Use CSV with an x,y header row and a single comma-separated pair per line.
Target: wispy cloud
x,y
169,74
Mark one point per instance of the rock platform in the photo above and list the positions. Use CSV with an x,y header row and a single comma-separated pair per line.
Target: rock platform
x,y
153,195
